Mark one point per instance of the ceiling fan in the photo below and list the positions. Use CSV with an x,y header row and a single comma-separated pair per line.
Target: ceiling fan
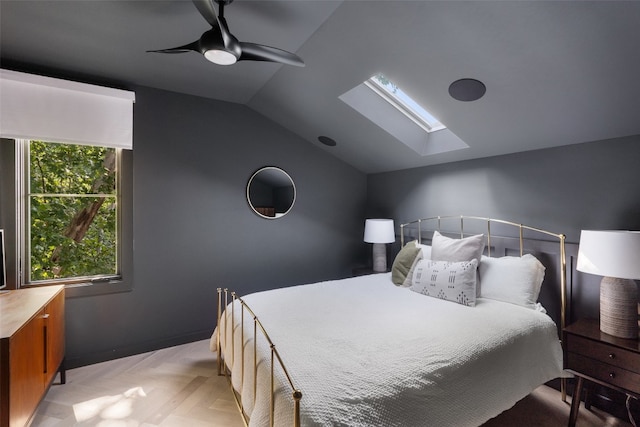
x,y
219,46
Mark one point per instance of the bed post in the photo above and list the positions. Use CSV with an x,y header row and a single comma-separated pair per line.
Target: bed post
x,y
521,240
218,345
255,357
242,352
489,237
296,408
563,304
224,332
272,402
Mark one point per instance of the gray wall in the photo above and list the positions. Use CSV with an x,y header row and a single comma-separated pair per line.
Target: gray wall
x,y
194,231
586,186
566,189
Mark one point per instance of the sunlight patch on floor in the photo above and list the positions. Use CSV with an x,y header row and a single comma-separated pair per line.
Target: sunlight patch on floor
x,y
111,410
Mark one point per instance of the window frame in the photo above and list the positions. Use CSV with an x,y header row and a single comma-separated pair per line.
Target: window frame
x,y
404,103
23,224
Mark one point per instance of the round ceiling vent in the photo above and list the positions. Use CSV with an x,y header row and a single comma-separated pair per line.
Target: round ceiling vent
x,y
467,90
327,141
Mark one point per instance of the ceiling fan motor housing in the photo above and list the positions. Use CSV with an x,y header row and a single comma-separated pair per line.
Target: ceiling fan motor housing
x,y
211,41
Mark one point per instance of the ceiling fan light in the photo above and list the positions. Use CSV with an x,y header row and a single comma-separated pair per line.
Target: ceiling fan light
x,y
220,57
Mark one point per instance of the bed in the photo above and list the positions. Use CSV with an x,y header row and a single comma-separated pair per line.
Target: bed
x,y
406,347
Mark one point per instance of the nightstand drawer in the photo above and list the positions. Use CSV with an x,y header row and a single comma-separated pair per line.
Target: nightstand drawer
x,y
603,352
604,372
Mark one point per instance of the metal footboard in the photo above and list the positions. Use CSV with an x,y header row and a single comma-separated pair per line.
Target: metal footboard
x,y
275,356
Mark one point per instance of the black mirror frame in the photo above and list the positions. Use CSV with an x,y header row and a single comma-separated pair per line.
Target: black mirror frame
x,y
293,185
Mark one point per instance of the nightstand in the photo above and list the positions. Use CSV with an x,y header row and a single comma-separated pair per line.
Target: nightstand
x,y
604,359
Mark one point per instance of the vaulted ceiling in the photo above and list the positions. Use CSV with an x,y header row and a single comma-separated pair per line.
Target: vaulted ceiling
x,y
556,72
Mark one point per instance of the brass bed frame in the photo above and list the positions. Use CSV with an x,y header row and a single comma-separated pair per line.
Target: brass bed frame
x,y
296,394
275,356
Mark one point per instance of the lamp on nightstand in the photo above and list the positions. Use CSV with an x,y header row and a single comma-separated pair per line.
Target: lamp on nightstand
x,y
379,232
614,254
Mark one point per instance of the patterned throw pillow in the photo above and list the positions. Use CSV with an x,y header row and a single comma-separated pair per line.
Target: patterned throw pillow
x,y
448,249
451,281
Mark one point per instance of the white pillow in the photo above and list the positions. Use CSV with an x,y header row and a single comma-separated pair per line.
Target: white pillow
x,y
451,281
516,280
447,249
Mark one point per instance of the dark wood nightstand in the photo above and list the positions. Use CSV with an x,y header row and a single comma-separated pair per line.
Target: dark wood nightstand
x,y
604,359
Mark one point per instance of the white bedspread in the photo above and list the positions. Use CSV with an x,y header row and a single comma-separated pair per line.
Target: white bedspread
x,y
364,352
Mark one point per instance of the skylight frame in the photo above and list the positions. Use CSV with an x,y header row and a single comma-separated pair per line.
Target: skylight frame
x,y
404,103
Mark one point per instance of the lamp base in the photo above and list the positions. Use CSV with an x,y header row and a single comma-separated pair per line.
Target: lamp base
x,y
379,257
619,307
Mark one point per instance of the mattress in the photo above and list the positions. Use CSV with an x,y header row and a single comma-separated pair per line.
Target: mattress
x,y
364,352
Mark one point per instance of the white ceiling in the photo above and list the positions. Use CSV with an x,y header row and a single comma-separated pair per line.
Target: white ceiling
x,y
556,72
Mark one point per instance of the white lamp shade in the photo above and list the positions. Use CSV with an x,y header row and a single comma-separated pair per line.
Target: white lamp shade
x,y
610,253
379,231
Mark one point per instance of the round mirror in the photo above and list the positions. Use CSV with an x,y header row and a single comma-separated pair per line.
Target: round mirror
x,y
271,192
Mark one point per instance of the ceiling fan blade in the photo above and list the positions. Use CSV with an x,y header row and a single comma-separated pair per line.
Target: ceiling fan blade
x,y
228,39
259,52
208,11
180,49
219,26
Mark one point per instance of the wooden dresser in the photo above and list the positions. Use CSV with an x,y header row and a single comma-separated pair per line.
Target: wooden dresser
x,y
31,349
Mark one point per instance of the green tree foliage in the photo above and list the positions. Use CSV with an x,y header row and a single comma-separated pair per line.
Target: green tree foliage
x,y
384,81
73,211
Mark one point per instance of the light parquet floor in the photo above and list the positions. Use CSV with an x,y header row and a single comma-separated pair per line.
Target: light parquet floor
x,y
179,387
172,387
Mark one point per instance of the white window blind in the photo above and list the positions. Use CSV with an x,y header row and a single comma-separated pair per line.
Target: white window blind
x,y
49,109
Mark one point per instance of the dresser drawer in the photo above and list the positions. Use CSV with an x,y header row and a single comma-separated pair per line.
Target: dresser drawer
x,y
604,372
603,352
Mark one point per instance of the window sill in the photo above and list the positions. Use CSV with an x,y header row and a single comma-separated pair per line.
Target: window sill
x,y
94,288
98,288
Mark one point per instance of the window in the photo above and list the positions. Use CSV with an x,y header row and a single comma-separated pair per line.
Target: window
x,y
73,221
69,213
391,93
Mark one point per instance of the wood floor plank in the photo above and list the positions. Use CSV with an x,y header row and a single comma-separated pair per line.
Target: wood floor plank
x,y
176,400
179,387
204,396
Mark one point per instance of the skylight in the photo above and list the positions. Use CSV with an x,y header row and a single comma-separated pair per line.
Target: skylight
x,y
392,110
391,93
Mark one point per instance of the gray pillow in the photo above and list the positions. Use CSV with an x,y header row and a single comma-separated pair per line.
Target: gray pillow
x,y
403,263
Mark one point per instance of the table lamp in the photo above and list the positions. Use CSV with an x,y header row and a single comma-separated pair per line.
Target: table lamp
x,y
379,232
614,254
